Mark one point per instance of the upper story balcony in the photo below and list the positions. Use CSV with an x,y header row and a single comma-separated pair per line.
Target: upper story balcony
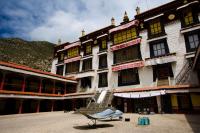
x,y
69,53
127,65
125,44
73,59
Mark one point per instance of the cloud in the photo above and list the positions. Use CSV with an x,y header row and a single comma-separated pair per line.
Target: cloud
x,y
50,20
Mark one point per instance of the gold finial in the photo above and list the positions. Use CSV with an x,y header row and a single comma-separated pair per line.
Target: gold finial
x,y
83,32
112,21
59,41
137,10
126,19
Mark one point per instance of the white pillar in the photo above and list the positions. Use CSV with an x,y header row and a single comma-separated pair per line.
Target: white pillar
x,y
125,107
158,99
64,68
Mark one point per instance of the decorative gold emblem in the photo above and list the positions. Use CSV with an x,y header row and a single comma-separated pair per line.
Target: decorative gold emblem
x,y
171,16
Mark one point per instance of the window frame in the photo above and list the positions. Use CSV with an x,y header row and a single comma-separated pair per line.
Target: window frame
x,y
72,52
187,43
130,71
59,70
61,57
88,44
101,44
150,35
101,60
125,35
87,63
194,17
103,77
151,45
156,67
73,68
86,82
126,51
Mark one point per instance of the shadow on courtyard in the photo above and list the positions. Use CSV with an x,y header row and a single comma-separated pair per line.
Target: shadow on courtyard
x,y
88,127
109,120
194,122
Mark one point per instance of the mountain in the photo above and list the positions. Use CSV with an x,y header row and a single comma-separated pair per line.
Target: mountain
x,y
35,54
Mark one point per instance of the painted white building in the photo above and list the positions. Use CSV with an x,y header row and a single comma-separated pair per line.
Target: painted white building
x,y
145,59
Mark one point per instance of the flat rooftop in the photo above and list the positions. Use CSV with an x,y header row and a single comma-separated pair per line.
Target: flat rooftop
x,y
60,122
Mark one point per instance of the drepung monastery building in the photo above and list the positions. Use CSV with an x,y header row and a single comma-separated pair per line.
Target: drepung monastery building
x,y
151,63
147,63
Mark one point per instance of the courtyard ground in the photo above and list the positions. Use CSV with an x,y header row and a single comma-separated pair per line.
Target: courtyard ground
x,y
59,122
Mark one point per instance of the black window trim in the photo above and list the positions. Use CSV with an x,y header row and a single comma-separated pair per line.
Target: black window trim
x,y
156,42
130,83
58,70
139,55
100,83
187,44
84,48
163,33
83,65
77,63
194,15
100,65
155,67
100,43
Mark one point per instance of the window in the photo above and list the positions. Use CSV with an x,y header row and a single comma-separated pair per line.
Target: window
x,y
192,41
162,71
102,61
159,48
128,77
72,52
124,36
86,82
72,67
88,48
87,65
103,80
71,88
103,44
127,54
155,28
59,70
60,57
188,18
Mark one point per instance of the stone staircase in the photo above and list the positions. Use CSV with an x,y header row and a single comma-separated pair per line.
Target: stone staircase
x,y
107,100
94,107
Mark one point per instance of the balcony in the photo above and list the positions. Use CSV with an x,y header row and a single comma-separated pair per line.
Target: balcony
x,y
160,59
126,44
73,59
127,65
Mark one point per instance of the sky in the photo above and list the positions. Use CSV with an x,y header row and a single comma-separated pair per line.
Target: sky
x,y
50,20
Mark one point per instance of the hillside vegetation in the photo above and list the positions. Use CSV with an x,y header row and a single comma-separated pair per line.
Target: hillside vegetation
x,y
35,54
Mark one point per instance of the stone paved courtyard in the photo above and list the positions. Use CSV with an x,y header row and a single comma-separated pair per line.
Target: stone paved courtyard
x,y
59,122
